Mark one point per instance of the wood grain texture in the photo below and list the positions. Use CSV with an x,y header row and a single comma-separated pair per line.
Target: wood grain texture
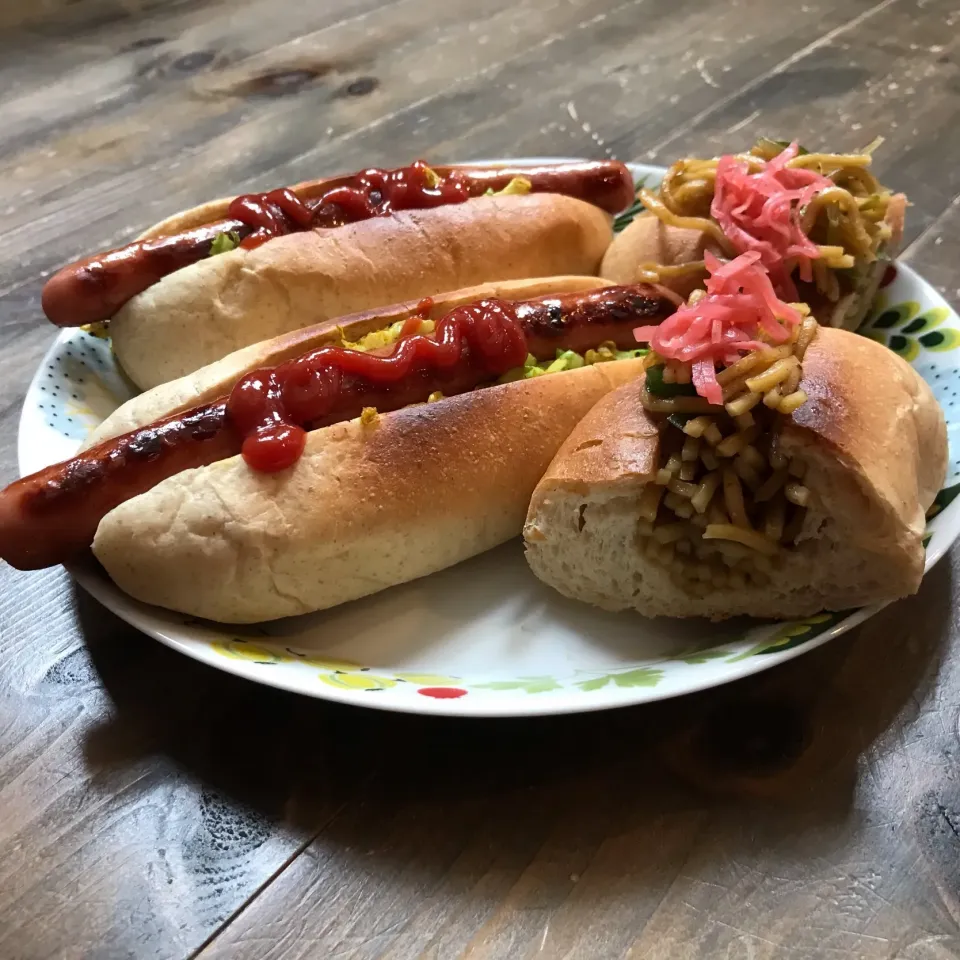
x,y
793,814
151,807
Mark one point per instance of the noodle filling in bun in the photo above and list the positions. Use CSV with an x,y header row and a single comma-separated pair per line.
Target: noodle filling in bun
x,y
725,499
823,225
763,466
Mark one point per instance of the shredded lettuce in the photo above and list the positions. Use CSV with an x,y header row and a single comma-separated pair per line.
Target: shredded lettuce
x,y
532,367
224,242
623,220
570,360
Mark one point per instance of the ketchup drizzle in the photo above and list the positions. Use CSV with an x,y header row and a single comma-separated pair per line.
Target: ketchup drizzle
x,y
272,408
372,193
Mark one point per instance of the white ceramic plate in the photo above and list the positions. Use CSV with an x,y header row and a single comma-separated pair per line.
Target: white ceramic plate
x,y
486,638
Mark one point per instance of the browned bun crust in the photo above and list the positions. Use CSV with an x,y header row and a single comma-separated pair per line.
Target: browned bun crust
x,y
648,240
212,308
874,442
365,508
868,409
217,379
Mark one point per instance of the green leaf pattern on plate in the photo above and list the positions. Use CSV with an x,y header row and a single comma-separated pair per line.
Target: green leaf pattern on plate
x,y
908,332
943,499
638,677
793,634
703,656
526,684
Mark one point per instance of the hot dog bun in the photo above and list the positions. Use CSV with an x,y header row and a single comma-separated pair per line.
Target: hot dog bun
x,y
874,442
365,508
217,379
205,311
648,240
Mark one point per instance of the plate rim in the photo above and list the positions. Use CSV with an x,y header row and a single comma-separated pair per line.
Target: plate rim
x,y
477,708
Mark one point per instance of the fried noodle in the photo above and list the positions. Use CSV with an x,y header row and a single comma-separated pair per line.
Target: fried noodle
x,y
726,503
844,221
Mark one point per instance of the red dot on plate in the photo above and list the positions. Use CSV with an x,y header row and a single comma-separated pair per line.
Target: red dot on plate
x,y
889,275
442,693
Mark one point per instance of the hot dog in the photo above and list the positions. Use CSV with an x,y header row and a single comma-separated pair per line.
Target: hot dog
x,y
94,288
260,411
174,307
822,223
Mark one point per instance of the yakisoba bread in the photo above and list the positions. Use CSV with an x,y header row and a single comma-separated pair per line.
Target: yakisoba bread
x,y
331,463
794,478
823,224
228,274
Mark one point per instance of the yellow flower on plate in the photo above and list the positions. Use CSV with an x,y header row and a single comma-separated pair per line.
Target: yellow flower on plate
x,y
797,629
356,681
237,649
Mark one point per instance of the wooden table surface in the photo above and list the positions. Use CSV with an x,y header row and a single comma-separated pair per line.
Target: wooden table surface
x,y
151,807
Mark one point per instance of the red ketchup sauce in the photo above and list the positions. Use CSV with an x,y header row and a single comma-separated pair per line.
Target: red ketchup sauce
x,y
372,193
272,408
